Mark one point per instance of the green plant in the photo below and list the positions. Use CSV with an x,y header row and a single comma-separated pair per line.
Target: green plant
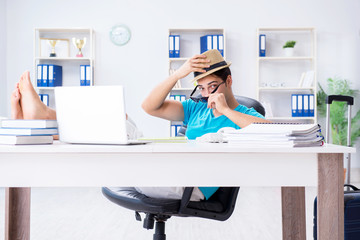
x,y
338,111
289,44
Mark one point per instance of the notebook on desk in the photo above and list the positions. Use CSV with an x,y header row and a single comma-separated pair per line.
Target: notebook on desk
x,y
92,115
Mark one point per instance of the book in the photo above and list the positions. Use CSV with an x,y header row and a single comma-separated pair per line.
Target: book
x,y
301,80
20,123
308,79
28,131
17,140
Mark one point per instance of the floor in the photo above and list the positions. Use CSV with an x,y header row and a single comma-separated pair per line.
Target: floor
x,y
83,213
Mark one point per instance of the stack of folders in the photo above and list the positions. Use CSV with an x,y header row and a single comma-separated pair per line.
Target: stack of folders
x,y
85,75
27,131
174,46
178,97
302,105
209,42
276,134
49,75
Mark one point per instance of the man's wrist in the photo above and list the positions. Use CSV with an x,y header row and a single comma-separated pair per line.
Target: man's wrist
x,y
227,111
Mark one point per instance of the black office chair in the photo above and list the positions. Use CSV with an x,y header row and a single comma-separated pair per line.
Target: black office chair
x,y
219,206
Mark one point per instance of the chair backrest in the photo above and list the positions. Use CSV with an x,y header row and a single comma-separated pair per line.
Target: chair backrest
x,y
245,101
251,103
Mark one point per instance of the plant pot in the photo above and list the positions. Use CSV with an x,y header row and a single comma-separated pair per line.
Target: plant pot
x,y
289,52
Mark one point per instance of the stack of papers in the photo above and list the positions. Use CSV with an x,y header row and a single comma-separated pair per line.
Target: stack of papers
x,y
277,134
27,131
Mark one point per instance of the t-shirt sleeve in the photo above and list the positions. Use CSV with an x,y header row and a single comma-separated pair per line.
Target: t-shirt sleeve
x,y
188,106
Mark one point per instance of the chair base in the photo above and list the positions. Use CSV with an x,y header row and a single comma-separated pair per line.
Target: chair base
x,y
159,231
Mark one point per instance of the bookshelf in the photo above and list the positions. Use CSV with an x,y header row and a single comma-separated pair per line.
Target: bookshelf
x,y
278,76
66,56
189,46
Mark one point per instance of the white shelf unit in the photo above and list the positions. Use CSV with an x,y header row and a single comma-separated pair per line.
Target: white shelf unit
x,y
189,46
278,75
67,59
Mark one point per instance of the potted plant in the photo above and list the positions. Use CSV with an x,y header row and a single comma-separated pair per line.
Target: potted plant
x,y
289,48
338,111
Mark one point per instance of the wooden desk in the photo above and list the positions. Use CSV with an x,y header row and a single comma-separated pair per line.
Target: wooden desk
x,y
63,165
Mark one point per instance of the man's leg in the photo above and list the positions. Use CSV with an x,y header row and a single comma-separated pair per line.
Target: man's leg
x,y
32,106
16,110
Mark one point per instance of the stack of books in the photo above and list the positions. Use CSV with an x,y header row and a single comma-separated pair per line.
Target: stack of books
x,y
27,131
276,134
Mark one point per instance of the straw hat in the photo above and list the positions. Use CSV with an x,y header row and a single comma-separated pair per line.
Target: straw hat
x,y
216,63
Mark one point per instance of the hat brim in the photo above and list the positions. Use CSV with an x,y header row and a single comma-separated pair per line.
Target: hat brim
x,y
210,72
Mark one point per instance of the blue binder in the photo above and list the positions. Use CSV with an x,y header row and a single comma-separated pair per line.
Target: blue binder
x,y
294,111
176,46
44,78
171,46
311,105
45,99
262,45
173,132
54,75
300,105
221,44
39,75
206,43
177,130
82,75
306,105
215,42
87,75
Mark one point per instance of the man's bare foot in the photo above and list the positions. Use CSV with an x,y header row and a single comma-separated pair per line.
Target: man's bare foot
x,y
16,110
32,106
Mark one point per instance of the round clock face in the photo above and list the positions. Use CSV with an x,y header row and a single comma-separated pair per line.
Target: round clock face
x,y
120,35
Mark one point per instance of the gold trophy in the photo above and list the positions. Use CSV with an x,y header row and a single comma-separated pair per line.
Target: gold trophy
x,y
79,44
52,44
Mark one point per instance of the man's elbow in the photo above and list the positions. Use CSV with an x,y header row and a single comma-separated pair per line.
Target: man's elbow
x,y
145,106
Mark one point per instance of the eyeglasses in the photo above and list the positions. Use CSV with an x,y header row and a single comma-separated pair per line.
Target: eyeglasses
x,y
202,99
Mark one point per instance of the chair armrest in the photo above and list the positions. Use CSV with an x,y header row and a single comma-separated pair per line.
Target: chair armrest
x,y
186,198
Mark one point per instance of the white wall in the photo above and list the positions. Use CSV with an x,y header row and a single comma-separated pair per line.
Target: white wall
x,y
143,62
3,82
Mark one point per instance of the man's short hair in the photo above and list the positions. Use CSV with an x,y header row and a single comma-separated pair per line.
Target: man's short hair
x,y
223,73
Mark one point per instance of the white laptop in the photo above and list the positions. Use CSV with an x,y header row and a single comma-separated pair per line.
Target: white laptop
x,y
92,115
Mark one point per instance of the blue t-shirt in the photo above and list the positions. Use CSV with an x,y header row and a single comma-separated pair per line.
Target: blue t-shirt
x,y
201,120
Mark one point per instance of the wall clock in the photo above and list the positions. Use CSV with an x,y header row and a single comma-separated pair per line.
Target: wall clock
x,y
120,35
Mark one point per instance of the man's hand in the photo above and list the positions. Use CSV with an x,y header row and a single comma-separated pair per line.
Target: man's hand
x,y
217,101
197,63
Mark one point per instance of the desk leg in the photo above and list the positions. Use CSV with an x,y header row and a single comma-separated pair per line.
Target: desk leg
x,y
330,211
17,213
293,213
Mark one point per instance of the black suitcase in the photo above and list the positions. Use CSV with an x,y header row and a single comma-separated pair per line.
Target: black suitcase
x,y
351,214
351,197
